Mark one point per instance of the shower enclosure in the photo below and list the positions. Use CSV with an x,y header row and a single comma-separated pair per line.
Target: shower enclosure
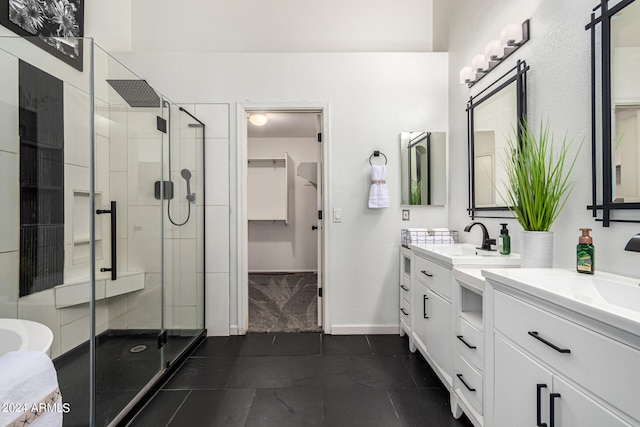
x,y
102,230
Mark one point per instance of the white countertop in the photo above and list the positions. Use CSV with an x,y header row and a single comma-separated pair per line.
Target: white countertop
x,y
465,254
470,276
609,298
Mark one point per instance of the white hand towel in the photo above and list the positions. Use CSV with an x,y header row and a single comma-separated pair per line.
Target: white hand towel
x,y
28,378
378,194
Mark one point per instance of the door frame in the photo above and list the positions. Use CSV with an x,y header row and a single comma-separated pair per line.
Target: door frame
x,y
242,266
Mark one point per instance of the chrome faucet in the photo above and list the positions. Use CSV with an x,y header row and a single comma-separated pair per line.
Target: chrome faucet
x,y
486,240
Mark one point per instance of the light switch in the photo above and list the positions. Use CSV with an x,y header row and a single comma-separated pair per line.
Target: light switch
x,y
337,215
405,214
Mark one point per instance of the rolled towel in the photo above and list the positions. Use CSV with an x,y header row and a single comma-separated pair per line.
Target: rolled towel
x,y
378,193
29,390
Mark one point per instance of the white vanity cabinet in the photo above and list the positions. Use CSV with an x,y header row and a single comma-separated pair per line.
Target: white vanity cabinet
x,y
554,366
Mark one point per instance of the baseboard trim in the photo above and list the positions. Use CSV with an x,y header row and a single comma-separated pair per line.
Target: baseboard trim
x,y
365,329
234,330
281,271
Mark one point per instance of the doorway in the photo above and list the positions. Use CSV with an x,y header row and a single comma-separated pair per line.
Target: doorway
x,y
283,268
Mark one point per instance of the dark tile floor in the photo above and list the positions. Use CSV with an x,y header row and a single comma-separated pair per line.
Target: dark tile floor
x,y
305,379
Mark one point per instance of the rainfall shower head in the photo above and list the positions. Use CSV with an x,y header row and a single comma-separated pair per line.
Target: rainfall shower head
x,y
136,93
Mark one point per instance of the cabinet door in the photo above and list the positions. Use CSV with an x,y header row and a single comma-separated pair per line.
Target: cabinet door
x,y
418,313
574,408
519,384
439,330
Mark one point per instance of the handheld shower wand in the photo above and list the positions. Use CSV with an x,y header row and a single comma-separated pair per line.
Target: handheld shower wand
x,y
186,174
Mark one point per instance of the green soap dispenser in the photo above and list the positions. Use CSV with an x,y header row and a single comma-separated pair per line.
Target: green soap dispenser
x,y
504,241
585,252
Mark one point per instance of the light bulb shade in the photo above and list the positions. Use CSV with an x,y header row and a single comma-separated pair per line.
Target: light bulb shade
x,y
493,50
258,119
511,35
479,63
466,75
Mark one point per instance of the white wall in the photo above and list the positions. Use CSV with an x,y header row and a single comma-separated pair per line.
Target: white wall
x,y
558,89
281,26
372,98
274,245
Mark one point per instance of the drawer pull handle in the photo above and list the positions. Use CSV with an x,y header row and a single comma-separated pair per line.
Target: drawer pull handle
x,y
426,273
539,422
424,306
472,347
465,384
404,312
550,344
405,288
552,408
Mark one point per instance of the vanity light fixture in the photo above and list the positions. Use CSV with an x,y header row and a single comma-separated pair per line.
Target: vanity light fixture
x,y
258,119
511,38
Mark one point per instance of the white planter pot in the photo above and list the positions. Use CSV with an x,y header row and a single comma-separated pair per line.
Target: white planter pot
x,y
536,249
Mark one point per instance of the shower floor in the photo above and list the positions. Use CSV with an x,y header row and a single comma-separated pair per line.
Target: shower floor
x,y
120,373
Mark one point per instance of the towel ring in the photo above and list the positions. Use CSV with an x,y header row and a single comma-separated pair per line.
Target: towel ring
x,y
377,154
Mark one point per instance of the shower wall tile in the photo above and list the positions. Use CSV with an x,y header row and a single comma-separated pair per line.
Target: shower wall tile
x,y
9,212
102,316
102,118
216,119
144,309
102,167
142,123
217,239
181,318
118,193
40,307
77,132
217,171
118,140
123,254
74,333
217,309
9,140
9,284
144,170
73,313
144,238
200,277
118,312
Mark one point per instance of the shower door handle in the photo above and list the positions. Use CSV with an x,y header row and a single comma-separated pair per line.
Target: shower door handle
x,y
114,240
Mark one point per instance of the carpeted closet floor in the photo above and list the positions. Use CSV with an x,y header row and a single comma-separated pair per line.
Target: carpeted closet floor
x,y
285,302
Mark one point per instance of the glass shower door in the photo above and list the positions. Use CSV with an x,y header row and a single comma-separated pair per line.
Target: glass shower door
x,y
129,134
183,232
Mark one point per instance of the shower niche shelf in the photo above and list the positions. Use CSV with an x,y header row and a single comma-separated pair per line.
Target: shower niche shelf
x,y
79,291
268,188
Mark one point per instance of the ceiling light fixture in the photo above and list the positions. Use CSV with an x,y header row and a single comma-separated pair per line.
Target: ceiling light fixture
x,y
258,119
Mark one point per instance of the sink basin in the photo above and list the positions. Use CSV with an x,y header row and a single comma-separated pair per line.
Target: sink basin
x,y
625,295
467,254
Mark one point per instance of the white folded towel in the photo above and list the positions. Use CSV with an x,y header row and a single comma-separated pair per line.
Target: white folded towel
x,y
378,194
28,381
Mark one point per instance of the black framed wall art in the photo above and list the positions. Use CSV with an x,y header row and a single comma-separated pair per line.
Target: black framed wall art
x,y
56,26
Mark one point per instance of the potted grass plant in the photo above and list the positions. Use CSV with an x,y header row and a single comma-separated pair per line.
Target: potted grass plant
x,y
537,189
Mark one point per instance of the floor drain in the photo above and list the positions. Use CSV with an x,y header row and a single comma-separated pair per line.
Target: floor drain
x,y
138,348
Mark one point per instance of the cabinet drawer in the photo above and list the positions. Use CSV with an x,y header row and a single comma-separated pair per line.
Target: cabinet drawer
x,y
433,275
469,381
606,367
469,337
405,287
405,310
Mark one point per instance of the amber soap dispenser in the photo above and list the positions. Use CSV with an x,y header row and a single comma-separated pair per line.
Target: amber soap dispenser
x,y
585,250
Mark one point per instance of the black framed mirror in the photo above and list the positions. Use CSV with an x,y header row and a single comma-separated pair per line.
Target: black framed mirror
x,y
493,115
615,105
424,168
